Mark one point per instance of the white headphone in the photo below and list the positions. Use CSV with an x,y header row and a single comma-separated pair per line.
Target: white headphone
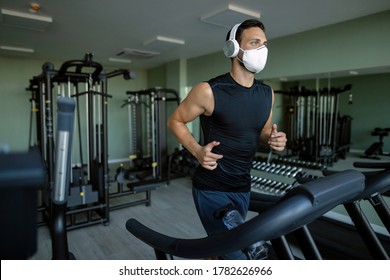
x,y
231,47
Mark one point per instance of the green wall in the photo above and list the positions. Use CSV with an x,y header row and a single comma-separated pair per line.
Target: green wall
x,y
370,108
357,44
157,76
15,105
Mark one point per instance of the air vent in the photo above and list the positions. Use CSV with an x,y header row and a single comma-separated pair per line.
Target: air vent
x,y
132,54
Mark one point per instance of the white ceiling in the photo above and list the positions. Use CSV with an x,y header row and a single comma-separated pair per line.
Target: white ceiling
x,y
105,28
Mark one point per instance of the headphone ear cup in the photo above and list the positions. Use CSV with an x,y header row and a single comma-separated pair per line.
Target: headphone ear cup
x,y
231,48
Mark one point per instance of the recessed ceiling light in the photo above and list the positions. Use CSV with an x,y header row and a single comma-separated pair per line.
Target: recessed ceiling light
x,y
34,7
354,72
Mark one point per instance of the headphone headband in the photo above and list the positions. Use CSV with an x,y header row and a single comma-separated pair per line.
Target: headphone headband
x,y
234,31
231,47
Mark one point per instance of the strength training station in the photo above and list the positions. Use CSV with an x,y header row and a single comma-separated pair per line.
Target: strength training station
x,y
90,170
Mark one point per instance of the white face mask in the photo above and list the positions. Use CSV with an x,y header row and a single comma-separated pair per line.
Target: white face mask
x,y
254,60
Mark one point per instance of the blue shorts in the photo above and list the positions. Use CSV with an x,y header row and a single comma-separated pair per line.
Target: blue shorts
x,y
208,202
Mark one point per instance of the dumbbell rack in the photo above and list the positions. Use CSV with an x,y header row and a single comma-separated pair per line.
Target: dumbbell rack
x,y
276,179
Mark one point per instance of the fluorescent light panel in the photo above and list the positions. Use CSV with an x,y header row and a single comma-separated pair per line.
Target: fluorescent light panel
x,y
6,12
163,43
25,20
165,40
120,60
17,49
230,15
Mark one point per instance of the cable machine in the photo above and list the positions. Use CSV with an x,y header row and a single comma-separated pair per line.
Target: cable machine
x,y
147,114
86,82
317,132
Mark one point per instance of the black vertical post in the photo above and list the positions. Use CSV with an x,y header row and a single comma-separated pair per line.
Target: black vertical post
x,y
104,143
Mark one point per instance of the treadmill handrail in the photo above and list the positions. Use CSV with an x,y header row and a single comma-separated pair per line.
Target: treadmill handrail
x,y
376,182
374,165
299,207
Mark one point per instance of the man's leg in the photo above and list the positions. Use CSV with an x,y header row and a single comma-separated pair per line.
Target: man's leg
x,y
208,202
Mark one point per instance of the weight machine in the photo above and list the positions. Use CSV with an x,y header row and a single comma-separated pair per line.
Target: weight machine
x,y
376,149
147,114
86,82
316,130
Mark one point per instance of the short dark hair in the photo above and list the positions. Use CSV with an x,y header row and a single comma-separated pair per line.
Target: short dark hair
x,y
245,25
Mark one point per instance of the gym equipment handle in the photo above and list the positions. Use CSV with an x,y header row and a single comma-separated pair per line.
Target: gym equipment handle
x,y
66,107
299,207
79,64
379,165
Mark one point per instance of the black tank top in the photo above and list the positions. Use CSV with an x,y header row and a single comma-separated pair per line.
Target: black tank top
x,y
239,116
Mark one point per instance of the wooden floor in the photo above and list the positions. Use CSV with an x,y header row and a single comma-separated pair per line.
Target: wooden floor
x,y
172,212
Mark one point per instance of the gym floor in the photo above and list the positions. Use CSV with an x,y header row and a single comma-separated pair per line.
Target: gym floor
x,y
172,212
